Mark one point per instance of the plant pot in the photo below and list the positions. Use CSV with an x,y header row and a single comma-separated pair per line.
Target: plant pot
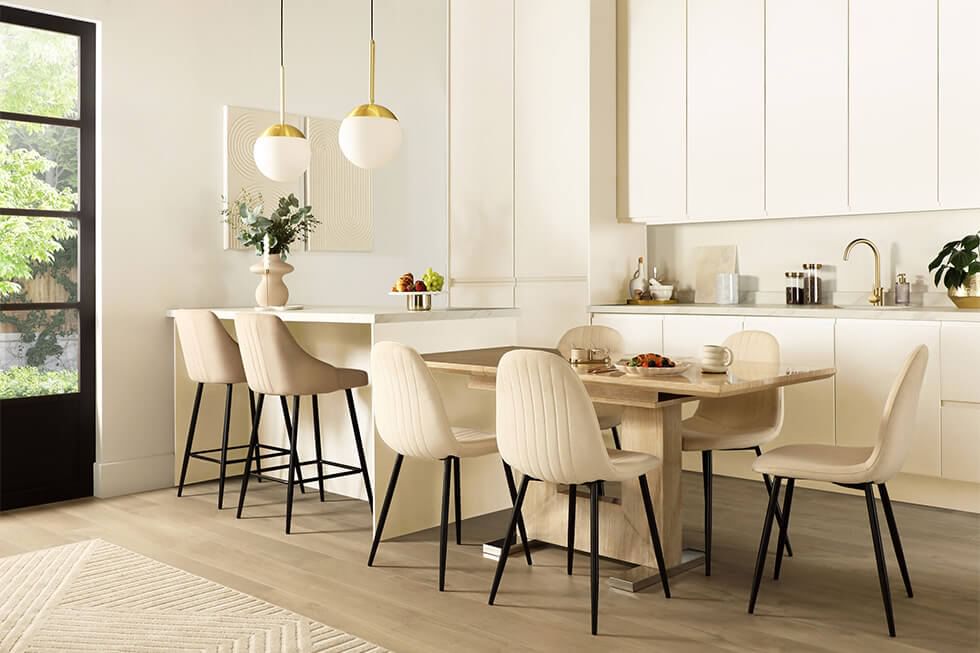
x,y
967,295
271,291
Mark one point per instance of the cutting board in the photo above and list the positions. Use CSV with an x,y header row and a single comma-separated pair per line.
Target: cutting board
x,y
709,262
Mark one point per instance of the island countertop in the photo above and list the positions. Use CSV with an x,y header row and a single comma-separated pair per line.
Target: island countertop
x,y
922,313
364,314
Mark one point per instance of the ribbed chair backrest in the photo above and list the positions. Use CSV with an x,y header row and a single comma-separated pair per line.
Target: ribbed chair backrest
x,y
210,354
546,425
763,410
898,418
408,409
589,336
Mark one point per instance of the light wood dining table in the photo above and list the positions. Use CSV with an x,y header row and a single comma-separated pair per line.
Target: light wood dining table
x,y
652,424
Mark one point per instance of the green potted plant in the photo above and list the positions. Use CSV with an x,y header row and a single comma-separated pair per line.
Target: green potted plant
x,y
271,237
958,267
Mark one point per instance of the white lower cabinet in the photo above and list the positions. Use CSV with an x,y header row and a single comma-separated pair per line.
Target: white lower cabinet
x,y
641,333
961,441
684,335
869,356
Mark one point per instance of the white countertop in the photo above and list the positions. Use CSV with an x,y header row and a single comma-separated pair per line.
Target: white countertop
x,y
368,314
925,313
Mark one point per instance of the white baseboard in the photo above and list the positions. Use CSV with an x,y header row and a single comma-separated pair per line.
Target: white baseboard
x,y
114,479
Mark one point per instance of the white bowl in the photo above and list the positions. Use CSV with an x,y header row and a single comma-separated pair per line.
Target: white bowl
x,y
662,293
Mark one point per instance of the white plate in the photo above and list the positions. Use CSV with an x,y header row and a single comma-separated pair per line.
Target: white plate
x,y
679,368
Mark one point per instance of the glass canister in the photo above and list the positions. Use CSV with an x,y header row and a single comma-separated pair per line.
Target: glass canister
x,y
794,288
812,292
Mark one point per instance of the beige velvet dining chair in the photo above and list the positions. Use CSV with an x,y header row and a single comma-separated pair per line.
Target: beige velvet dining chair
x,y
859,468
742,423
411,419
548,430
587,337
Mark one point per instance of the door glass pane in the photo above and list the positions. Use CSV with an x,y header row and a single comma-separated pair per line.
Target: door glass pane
x,y
38,166
38,259
38,353
38,72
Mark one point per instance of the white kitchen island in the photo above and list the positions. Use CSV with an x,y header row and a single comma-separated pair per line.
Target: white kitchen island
x,y
343,336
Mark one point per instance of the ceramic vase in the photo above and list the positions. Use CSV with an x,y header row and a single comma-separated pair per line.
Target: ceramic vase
x,y
272,290
967,295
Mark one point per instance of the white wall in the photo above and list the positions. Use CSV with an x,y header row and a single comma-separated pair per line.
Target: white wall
x,y
769,248
167,68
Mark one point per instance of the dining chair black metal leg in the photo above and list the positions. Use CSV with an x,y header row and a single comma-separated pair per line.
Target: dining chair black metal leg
x,y
706,479
886,503
190,438
318,446
253,450
779,513
760,561
594,554
615,434
512,488
886,595
289,436
447,473
570,540
293,466
383,517
223,456
457,504
658,549
783,532
360,449
251,413
508,540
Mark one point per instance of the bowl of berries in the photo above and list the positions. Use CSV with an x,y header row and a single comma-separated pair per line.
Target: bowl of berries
x,y
651,365
418,292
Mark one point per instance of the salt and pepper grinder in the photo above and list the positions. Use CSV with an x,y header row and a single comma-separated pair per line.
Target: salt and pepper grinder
x,y
903,290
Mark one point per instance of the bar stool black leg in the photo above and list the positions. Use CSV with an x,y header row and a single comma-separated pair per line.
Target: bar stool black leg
x,y
512,487
318,445
658,549
570,540
223,465
385,506
253,449
594,553
615,433
886,503
706,477
293,465
251,412
779,513
289,435
360,449
760,561
886,595
783,532
444,523
508,540
457,504
190,438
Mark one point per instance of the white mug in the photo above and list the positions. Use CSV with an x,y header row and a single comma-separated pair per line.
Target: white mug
x,y
716,356
578,355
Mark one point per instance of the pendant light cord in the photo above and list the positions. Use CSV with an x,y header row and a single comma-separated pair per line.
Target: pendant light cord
x,y
282,40
282,63
372,20
371,65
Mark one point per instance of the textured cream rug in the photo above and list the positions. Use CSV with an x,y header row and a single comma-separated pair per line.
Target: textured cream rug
x,y
96,596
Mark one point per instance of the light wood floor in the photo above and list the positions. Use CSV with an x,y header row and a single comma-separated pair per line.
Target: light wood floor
x,y
827,599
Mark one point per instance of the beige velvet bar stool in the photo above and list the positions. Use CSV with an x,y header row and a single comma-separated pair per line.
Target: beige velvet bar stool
x,y
412,420
742,423
859,468
211,356
275,364
548,430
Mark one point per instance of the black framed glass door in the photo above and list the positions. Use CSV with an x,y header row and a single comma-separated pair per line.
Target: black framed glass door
x,y
47,257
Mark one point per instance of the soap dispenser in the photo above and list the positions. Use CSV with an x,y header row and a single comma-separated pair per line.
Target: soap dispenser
x,y
903,290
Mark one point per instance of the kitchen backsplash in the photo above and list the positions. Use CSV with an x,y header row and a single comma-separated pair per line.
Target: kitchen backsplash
x,y
769,248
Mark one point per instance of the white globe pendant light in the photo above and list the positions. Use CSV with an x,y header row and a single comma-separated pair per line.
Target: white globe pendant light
x,y
370,135
282,152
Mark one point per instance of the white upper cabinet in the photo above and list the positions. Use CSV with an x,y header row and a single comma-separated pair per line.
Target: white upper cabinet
x,y
726,109
959,103
481,144
806,107
893,105
653,51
